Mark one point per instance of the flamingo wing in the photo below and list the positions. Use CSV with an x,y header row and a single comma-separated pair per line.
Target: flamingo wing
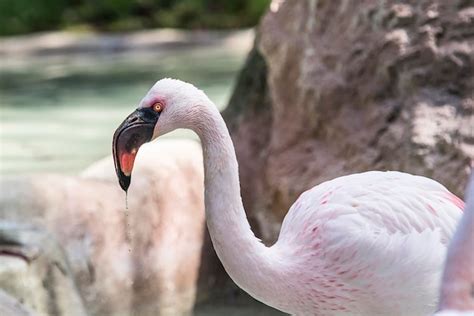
x,y
368,241
394,202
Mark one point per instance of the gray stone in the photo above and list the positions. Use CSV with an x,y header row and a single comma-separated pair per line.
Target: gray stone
x,y
12,307
35,277
338,87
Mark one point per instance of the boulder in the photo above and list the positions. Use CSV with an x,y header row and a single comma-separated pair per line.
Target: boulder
x,y
9,305
87,217
338,87
143,259
35,276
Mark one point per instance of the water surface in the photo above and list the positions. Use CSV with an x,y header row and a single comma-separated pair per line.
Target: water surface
x,y
59,113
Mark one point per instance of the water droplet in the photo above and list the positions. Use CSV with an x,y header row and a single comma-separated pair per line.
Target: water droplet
x,y
128,236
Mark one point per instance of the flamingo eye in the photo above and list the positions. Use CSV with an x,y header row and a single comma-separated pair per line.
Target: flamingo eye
x,y
158,107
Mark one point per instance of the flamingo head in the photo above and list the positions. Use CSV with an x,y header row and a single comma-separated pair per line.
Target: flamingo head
x,y
168,105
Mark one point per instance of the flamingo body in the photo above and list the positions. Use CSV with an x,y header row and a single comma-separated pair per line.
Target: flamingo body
x,y
365,244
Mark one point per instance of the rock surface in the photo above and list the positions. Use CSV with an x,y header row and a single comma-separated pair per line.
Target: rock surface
x,y
338,87
140,261
35,277
12,306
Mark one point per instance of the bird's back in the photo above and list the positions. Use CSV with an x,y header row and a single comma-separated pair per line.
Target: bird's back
x,y
367,243
392,201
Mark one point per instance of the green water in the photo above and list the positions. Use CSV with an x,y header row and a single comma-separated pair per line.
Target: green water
x,y
58,114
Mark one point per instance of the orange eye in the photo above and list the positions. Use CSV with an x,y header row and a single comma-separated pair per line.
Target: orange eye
x,y
157,107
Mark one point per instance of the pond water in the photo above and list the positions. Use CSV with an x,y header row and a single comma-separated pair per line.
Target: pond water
x,y
58,113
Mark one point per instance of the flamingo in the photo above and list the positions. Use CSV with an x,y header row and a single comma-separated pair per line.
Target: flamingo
x,y
371,243
457,290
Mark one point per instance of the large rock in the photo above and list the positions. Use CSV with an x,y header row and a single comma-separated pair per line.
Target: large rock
x,y
337,87
35,277
9,305
143,260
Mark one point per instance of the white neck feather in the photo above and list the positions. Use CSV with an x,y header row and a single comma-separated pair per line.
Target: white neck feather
x,y
248,262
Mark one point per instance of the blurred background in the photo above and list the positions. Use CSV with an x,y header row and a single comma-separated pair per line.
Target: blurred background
x,y
70,72
89,73
310,90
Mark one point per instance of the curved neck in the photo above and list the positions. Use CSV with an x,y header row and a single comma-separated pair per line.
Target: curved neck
x,y
245,258
458,279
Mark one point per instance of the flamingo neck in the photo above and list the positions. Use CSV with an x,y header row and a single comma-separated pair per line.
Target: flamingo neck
x,y
457,291
244,257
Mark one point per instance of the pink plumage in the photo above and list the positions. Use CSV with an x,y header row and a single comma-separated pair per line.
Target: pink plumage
x,y
367,239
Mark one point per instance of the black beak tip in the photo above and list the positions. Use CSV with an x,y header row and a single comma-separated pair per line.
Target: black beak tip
x,y
124,182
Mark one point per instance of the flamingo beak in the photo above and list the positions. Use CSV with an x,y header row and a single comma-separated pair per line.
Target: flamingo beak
x,y
134,131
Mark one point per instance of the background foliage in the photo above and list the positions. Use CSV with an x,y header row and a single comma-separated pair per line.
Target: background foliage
x,y
24,16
